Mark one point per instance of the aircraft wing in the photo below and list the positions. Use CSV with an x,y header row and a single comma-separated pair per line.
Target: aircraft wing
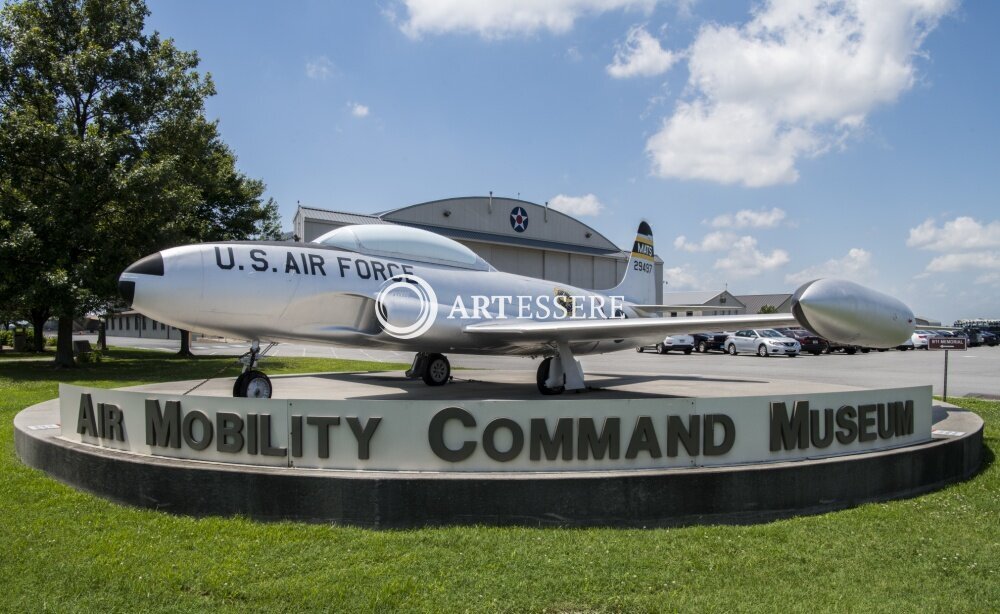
x,y
595,330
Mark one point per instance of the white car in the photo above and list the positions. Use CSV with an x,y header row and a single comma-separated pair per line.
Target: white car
x,y
919,339
762,341
680,343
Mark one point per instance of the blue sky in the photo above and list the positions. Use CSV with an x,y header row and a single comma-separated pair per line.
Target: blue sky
x,y
765,142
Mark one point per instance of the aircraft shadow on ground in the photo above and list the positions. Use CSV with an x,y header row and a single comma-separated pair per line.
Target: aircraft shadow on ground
x,y
601,385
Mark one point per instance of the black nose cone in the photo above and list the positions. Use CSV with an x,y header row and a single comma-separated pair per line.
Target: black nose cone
x,y
150,265
127,290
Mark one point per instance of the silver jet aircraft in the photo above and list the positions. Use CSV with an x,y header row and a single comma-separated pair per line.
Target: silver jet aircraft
x,y
399,288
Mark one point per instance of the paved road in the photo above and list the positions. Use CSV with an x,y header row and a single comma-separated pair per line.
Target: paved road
x,y
975,372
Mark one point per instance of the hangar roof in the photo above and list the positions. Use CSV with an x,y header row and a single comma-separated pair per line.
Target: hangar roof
x,y
341,217
754,302
707,297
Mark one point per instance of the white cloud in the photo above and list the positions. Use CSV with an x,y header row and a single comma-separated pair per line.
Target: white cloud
x,y
576,205
493,19
680,277
990,279
950,263
319,68
358,109
640,56
747,218
712,242
960,234
967,245
794,81
856,266
746,260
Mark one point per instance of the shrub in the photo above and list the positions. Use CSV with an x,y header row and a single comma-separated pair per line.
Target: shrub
x,y
93,356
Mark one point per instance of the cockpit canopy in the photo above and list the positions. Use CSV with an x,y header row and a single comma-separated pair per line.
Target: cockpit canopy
x,y
405,243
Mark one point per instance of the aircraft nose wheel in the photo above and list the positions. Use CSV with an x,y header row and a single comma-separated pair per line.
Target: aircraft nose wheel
x,y
543,375
254,385
438,370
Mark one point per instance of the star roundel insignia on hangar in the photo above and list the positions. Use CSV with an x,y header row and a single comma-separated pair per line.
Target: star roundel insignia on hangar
x,y
518,219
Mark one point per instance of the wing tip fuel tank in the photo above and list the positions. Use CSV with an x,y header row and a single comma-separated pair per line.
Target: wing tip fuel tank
x,y
850,313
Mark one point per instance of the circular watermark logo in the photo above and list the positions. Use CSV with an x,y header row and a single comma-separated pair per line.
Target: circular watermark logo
x,y
426,299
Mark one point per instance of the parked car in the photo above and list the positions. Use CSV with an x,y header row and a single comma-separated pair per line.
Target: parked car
x,y
974,335
705,342
763,341
847,349
678,343
990,338
919,339
812,343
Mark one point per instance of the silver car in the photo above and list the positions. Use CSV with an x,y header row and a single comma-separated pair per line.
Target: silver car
x,y
681,343
763,341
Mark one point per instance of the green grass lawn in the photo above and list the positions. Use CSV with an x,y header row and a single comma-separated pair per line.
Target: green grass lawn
x,y
66,550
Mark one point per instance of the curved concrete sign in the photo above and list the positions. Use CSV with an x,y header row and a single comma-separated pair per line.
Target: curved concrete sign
x,y
497,436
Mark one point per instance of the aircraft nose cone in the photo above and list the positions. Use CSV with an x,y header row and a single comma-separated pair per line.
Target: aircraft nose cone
x,y
150,265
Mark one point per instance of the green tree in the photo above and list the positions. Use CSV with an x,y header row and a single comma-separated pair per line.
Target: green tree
x,y
768,309
105,153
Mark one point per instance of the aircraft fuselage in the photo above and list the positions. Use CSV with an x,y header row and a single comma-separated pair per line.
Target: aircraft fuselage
x,y
282,292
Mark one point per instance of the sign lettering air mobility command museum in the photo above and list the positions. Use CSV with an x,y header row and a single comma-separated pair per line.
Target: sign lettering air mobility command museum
x,y
549,435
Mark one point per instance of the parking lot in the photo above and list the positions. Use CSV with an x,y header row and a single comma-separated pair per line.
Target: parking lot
x,y
974,372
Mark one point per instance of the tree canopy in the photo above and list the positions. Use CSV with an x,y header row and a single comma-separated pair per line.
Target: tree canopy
x,y
106,154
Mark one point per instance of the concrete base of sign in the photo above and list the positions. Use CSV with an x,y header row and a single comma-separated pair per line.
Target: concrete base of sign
x,y
733,494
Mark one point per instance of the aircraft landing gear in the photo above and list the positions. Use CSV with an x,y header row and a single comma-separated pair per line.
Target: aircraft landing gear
x,y
252,383
434,369
560,372
542,376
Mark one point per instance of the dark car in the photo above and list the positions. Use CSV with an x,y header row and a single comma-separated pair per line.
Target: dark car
x,y
705,342
974,335
847,349
990,339
814,344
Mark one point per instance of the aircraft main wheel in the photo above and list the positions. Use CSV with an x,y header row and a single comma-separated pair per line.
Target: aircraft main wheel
x,y
732,349
438,370
238,384
762,350
255,385
543,375
660,349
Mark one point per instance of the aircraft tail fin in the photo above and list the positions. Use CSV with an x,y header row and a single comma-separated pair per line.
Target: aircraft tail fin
x,y
639,283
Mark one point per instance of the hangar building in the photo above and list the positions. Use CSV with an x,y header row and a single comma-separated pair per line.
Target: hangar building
x,y
718,303
513,235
